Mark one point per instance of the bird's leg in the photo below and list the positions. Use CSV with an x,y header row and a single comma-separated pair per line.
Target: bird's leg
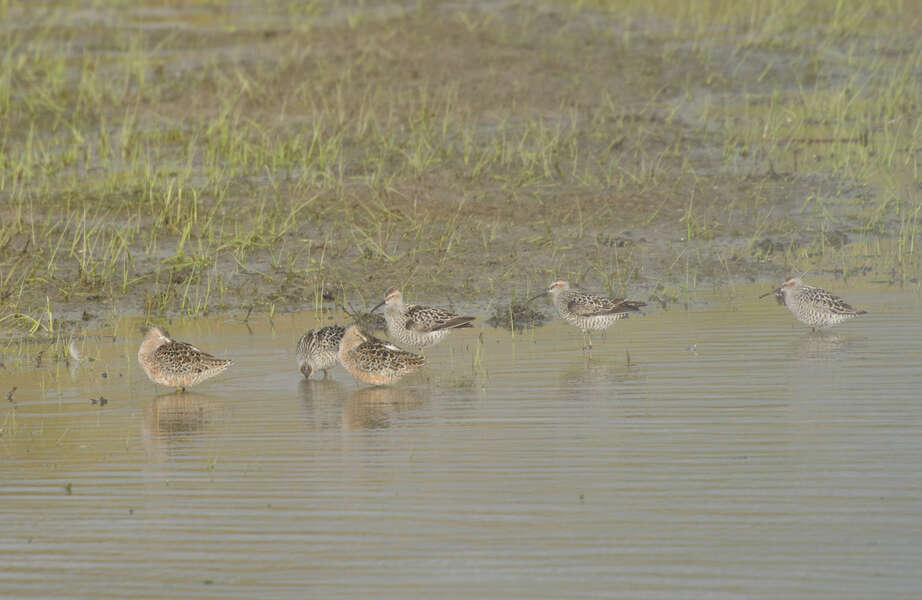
x,y
587,341
325,373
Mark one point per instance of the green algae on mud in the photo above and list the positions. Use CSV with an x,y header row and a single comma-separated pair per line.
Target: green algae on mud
x,y
190,160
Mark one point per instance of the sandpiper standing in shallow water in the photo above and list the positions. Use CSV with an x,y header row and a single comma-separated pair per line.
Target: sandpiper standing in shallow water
x,y
375,361
813,306
418,326
176,364
587,311
318,349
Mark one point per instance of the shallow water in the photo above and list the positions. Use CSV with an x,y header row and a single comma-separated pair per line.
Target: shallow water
x,y
737,455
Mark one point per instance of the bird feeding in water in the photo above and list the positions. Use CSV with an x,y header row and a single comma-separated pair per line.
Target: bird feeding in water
x,y
318,349
813,306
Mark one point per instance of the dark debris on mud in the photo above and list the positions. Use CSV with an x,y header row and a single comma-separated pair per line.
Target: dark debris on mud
x,y
370,322
516,315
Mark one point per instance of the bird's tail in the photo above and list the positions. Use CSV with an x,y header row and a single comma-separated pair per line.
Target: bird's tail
x,y
455,323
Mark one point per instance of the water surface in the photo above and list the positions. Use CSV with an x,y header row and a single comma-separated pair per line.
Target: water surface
x,y
735,455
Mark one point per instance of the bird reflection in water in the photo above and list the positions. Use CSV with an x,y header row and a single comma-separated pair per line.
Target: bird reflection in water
x,y
321,400
820,345
592,372
377,407
172,417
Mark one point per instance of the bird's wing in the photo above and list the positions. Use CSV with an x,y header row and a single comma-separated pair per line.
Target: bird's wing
x,y
428,318
585,304
181,356
830,301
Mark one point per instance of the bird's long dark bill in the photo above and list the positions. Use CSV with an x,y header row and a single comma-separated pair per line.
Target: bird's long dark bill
x,y
377,306
774,291
536,297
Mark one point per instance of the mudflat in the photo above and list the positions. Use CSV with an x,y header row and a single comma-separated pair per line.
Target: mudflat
x,y
188,158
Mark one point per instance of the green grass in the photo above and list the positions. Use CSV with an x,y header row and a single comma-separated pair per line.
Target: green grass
x,y
247,158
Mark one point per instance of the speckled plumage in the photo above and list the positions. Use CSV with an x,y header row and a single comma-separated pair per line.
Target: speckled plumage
x,y
589,312
813,306
417,326
318,349
375,361
176,364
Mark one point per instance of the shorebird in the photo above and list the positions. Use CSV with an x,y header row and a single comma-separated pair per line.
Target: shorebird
x,y
176,364
318,349
588,311
813,306
415,325
375,361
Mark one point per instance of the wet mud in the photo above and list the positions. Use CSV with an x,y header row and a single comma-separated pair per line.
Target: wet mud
x,y
263,163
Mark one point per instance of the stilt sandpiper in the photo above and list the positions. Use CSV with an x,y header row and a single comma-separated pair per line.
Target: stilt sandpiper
x,y
587,311
813,306
375,361
417,326
176,364
318,349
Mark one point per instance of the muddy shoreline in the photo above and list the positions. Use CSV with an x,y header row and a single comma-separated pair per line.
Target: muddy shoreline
x,y
268,163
